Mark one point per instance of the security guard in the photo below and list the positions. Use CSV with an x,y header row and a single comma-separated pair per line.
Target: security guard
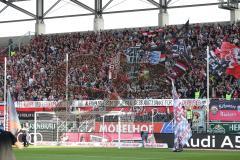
x,y
228,96
189,116
197,94
144,136
25,135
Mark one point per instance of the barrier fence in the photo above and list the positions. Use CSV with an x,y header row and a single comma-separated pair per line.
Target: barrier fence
x,y
98,120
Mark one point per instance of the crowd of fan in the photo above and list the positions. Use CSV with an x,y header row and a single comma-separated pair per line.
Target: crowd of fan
x,y
37,71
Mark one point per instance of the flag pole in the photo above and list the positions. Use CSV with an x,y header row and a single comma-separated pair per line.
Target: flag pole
x,y
66,76
175,146
66,91
5,94
119,130
208,85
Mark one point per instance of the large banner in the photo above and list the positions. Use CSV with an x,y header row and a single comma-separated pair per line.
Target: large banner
x,y
29,109
224,110
114,66
26,115
106,137
134,127
111,127
133,54
137,102
137,55
204,141
224,128
36,104
49,105
198,118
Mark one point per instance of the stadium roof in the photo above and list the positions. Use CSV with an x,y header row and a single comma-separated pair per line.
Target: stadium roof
x,y
88,8
58,9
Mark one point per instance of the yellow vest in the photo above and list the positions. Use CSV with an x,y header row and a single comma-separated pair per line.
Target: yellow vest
x,y
189,114
228,97
197,94
12,53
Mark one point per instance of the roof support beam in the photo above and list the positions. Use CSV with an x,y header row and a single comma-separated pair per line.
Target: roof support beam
x,y
163,6
83,6
98,7
4,8
39,25
193,5
154,3
17,20
39,10
18,8
74,15
131,10
54,5
106,5
169,1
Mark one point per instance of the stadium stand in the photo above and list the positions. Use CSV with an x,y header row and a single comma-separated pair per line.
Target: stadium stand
x,y
37,71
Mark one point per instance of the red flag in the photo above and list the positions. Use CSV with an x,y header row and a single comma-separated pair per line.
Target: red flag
x,y
226,49
234,71
231,53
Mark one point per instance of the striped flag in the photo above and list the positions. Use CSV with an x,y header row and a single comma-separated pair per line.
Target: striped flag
x,y
182,130
181,66
162,57
13,120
